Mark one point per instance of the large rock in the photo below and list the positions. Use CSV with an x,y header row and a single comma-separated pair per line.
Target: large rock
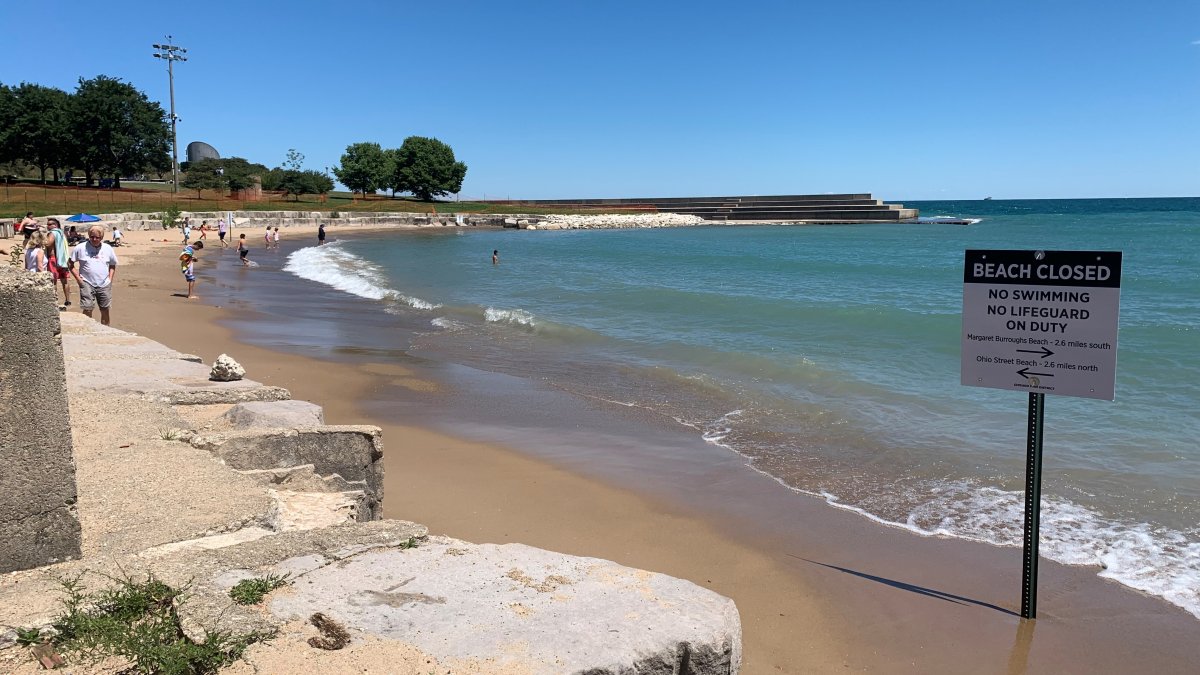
x,y
523,610
226,369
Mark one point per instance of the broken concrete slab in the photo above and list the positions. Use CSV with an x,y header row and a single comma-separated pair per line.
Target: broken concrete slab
x,y
526,609
274,415
139,366
139,489
352,452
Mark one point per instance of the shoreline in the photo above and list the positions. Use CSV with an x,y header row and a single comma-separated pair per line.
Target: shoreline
x,y
818,588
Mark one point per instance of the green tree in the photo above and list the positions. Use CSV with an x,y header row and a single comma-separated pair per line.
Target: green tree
x,y
240,173
37,126
297,183
117,130
7,116
392,156
294,161
426,167
364,168
206,174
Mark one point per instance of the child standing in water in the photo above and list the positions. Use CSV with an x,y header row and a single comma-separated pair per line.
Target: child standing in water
x,y
275,239
187,265
496,257
243,251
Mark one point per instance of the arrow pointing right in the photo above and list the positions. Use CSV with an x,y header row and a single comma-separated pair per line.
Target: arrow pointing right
x,y
1046,353
1024,372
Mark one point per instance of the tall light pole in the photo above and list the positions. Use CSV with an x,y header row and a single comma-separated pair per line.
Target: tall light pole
x,y
172,54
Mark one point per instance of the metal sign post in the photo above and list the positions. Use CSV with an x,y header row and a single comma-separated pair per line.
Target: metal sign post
x,y
1043,322
1033,505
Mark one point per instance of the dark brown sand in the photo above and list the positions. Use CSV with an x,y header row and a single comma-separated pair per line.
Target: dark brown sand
x,y
818,589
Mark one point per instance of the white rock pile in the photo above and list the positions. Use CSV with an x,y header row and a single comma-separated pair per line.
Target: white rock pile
x,y
615,220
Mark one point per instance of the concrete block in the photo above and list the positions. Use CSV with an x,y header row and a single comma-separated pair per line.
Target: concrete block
x,y
38,520
275,414
354,453
522,609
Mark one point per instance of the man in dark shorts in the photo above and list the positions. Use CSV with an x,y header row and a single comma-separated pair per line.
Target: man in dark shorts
x,y
221,229
321,234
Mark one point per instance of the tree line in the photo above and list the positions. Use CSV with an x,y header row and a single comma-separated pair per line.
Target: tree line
x,y
236,173
426,167
106,127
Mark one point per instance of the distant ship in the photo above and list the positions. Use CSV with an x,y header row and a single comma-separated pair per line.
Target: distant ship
x,y
987,199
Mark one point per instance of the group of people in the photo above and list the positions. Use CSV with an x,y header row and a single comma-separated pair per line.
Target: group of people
x,y
90,261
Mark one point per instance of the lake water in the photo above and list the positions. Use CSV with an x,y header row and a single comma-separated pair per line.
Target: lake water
x,y
828,357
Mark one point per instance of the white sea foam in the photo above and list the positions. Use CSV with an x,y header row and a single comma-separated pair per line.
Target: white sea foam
x,y
515,316
446,324
1156,560
335,267
716,431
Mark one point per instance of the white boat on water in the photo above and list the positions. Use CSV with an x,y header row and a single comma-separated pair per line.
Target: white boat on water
x,y
947,220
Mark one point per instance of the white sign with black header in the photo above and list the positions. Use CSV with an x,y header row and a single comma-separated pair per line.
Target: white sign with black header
x,y
1042,321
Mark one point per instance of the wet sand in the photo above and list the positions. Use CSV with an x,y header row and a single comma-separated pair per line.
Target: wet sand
x,y
818,589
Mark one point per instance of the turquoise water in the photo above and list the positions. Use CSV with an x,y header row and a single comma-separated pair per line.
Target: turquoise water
x,y
828,356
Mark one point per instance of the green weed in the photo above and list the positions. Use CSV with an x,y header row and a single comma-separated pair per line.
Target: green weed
x,y
252,591
137,621
27,637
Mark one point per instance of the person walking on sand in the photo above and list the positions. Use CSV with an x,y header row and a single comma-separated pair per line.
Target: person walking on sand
x,y
496,257
221,230
243,251
187,231
203,230
321,234
35,252
94,264
187,265
60,254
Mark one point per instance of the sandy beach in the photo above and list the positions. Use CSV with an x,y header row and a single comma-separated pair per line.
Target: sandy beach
x,y
818,589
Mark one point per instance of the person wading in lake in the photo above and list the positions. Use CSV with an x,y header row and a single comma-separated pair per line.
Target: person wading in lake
x,y
94,264
321,234
496,257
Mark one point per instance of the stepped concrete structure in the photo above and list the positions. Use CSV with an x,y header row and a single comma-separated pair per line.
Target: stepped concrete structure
x,y
818,209
203,484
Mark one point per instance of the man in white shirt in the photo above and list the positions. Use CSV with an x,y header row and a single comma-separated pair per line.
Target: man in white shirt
x,y
94,264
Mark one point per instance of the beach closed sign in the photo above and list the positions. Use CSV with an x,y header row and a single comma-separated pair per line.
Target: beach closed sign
x,y
1042,321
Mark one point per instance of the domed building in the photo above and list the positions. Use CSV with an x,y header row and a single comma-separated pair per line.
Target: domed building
x,y
198,150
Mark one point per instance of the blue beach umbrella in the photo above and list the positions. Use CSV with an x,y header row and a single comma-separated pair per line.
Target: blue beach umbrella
x,y
83,218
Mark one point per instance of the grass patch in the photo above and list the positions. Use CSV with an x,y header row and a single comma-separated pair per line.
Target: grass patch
x,y
15,200
252,591
27,637
412,542
138,622
172,434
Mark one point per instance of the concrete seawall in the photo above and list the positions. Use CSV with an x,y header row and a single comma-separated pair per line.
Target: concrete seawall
x,y
204,484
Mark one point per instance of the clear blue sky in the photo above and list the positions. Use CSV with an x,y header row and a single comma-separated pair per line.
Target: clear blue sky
x,y
557,99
